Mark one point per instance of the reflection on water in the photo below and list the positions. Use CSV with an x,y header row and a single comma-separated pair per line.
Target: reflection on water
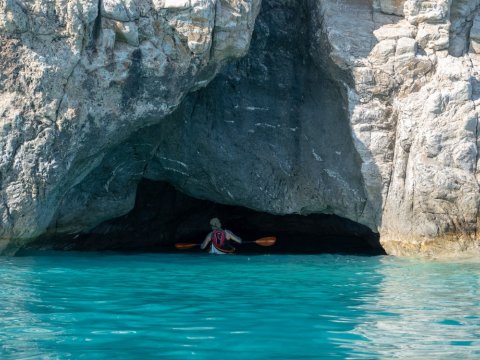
x,y
21,329
101,306
423,309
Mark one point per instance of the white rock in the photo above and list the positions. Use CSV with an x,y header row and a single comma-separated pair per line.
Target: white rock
x,y
395,31
427,106
176,4
406,46
392,6
433,36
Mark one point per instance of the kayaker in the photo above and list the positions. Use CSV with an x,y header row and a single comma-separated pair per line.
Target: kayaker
x,y
220,239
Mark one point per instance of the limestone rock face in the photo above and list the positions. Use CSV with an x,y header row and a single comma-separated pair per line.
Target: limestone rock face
x,y
255,137
366,109
413,107
373,119
78,77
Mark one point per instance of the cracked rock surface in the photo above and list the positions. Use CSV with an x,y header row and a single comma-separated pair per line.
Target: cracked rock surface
x,y
414,116
78,77
372,117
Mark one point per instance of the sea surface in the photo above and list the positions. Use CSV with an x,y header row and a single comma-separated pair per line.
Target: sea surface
x,y
196,306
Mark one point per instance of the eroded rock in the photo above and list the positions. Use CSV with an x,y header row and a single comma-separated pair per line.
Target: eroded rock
x,y
372,117
414,116
79,77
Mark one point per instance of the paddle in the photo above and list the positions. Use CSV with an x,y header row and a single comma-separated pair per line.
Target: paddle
x,y
265,241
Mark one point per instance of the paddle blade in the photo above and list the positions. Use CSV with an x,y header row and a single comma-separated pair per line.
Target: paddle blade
x,y
266,241
184,246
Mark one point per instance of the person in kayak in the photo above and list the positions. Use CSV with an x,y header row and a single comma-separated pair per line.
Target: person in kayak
x,y
220,239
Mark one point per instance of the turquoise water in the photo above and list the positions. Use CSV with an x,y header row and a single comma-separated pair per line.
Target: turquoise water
x,y
188,306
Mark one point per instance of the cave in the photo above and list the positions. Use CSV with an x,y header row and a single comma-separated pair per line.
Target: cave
x,y
163,216
271,132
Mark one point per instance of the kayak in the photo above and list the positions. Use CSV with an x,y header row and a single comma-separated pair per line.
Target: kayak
x,y
265,241
214,250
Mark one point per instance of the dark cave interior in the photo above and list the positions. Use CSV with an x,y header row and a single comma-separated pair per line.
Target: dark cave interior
x,y
163,216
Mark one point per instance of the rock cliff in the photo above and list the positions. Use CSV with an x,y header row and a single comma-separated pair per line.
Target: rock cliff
x,y
366,109
78,77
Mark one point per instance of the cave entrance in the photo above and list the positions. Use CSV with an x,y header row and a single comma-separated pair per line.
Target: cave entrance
x,y
163,216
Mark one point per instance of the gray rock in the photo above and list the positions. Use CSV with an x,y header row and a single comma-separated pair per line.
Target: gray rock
x,y
254,137
372,117
79,78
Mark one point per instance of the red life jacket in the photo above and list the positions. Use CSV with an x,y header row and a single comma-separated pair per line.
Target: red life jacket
x,y
219,239
220,242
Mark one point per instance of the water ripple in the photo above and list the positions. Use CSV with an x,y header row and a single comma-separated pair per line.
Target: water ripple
x,y
99,306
